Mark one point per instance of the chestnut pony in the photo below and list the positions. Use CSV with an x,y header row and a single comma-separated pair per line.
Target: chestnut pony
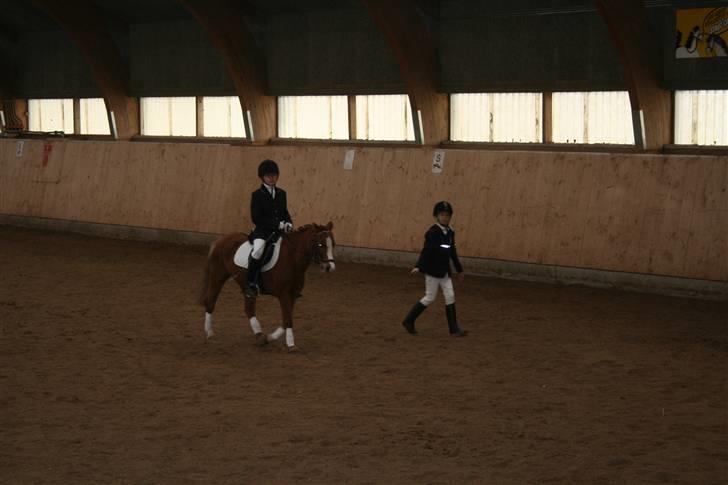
x,y
284,281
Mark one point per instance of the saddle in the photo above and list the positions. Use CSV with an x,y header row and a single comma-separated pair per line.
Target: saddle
x,y
268,261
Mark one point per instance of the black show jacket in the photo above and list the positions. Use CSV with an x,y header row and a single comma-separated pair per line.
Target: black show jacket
x,y
439,249
268,212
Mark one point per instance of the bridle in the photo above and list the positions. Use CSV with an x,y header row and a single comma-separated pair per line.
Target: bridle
x,y
319,247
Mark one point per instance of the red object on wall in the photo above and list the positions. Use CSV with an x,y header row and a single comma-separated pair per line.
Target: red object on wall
x,y
47,149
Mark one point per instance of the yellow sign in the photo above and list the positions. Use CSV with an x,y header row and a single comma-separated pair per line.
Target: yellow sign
x,y
702,32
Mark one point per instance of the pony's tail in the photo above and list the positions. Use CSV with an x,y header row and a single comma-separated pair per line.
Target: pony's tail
x,y
204,288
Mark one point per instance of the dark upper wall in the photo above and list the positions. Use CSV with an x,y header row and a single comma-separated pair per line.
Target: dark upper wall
x,y
329,52
50,66
333,47
175,59
525,53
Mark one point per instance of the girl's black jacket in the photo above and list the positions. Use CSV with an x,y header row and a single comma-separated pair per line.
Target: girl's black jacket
x,y
436,254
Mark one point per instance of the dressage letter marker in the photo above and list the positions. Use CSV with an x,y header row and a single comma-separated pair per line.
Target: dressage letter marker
x,y
438,161
349,160
19,148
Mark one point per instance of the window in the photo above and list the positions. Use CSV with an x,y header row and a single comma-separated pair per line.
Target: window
x,y
701,117
592,117
384,117
222,116
320,117
168,116
496,117
50,115
93,117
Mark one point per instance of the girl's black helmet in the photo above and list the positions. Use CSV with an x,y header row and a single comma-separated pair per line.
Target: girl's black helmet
x,y
442,206
267,167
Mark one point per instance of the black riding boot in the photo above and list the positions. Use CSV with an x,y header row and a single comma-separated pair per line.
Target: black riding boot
x,y
409,321
251,284
452,321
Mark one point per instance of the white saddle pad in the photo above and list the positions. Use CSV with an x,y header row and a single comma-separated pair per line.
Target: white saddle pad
x,y
243,254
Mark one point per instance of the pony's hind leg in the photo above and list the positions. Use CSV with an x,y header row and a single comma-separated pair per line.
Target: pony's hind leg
x,y
271,337
260,337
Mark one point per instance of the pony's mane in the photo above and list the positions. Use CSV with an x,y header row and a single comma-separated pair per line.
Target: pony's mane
x,y
305,228
301,231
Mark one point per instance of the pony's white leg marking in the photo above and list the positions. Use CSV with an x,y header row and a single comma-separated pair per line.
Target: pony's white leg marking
x,y
276,334
208,325
289,337
255,325
330,253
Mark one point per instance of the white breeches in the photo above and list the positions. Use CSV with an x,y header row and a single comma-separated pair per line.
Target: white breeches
x,y
431,286
258,247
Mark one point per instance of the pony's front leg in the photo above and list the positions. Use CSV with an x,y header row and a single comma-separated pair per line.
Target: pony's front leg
x,y
287,313
260,338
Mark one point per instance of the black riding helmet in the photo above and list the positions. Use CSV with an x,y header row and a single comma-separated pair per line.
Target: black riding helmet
x,y
442,206
268,167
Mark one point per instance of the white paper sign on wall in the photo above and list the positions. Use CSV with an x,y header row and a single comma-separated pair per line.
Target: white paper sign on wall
x,y
19,148
438,161
349,159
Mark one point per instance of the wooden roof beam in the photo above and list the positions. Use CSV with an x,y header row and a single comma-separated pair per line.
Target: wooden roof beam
x,y
83,21
223,20
407,33
640,56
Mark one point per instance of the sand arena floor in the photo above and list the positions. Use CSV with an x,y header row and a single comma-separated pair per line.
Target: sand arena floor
x,y
105,377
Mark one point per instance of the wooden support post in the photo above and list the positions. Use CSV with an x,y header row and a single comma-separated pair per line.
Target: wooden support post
x,y
15,112
547,119
200,110
352,117
76,116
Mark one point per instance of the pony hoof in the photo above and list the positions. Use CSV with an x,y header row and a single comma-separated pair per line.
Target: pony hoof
x,y
293,350
260,339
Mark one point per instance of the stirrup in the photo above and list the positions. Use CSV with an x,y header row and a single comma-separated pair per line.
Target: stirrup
x,y
251,290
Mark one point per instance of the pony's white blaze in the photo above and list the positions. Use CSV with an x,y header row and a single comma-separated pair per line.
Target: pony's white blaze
x,y
255,325
289,337
208,325
276,334
330,253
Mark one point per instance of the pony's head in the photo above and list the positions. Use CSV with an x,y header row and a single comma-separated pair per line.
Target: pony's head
x,y
323,247
319,244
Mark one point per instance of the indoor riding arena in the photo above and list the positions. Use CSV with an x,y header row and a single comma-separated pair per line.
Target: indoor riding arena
x,y
578,149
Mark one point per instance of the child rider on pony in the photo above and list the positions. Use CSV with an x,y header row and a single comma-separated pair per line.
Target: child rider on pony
x,y
269,212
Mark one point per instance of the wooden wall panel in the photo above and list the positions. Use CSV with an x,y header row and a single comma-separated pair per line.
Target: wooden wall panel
x,y
653,214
